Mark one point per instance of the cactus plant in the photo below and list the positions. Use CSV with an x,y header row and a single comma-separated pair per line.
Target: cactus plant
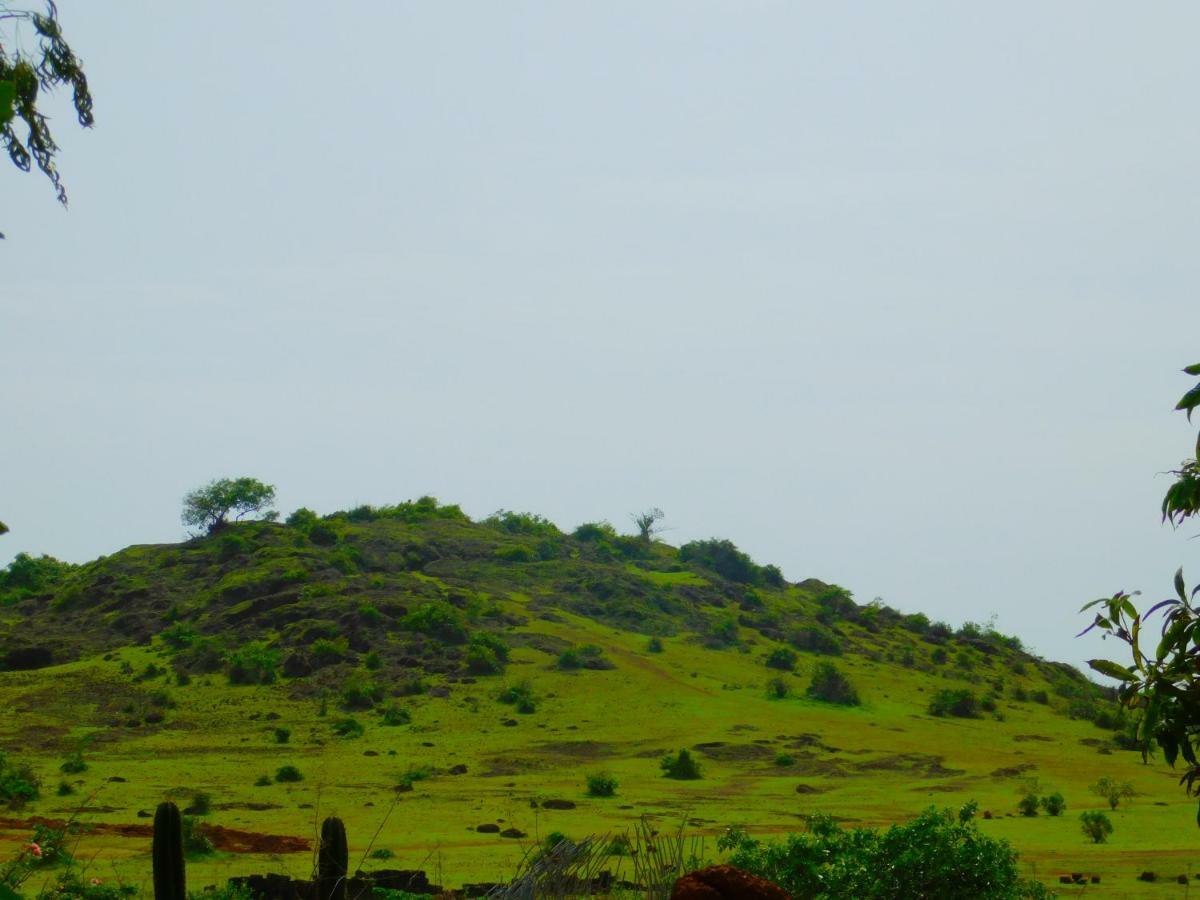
x,y
170,881
333,861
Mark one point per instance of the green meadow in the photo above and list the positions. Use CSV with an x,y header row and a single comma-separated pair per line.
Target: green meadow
x,y
176,671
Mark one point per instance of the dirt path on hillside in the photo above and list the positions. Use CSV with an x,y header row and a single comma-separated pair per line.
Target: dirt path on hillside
x,y
230,840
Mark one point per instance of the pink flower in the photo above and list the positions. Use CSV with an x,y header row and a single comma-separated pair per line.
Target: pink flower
x,y
35,850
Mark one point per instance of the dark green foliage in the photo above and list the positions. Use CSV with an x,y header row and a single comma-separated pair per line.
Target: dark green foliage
x,y
370,615
594,532
723,630
262,781
1096,825
1112,791
917,623
934,856
518,553
783,659
815,639
1028,805
201,805
73,764
282,735
65,789
373,662
681,766
394,715
232,545
654,645
437,619
521,523
831,686
323,534
288,773
179,636
487,654
253,663
724,558
778,689
360,692
29,576
210,506
587,656
939,656
347,728
302,519
785,760
333,861
26,77
519,695
328,651
167,851
602,784
382,853
960,702
1054,804
19,784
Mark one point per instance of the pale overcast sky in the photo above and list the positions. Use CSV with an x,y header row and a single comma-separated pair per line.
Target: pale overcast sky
x,y
892,295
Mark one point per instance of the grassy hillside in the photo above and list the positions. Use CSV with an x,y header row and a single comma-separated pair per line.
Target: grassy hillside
x,y
434,675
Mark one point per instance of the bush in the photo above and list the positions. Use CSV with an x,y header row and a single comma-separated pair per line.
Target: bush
x,y
960,703
302,520
487,654
935,855
373,662
521,523
323,534
329,651
201,804
831,686
589,656
1040,697
778,689
18,783
782,658
395,715
65,789
519,695
785,759
601,784
680,766
1028,805
262,781
1055,804
724,558
1112,791
282,735
360,692
1096,825
654,645
815,639
195,841
288,773
348,727
253,663
73,764
437,619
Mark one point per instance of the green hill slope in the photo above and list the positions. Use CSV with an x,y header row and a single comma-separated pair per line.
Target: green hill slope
x,y
486,668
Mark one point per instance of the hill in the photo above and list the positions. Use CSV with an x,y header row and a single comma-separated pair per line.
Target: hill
x,y
468,677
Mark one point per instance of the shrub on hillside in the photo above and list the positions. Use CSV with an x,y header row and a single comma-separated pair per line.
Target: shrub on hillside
x,y
724,558
1096,825
935,855
73,764
437,619
521,523
831,686
960,703
19,784
487,654
395,715
680,766
328,651
253,663
783,659
348,727
323,534
282,735
1028,805
778,689
288,773
29,576
722,630
602,784
360,692
815,639
587,656
1054,804
519,695
654,645
517,553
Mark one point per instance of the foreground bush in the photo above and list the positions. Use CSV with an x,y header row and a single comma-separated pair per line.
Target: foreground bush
x,y
935,855
602,784
19,784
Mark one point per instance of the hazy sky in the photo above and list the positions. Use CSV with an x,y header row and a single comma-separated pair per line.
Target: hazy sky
x,y
892,295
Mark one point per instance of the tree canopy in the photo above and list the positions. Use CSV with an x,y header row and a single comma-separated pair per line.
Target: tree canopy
x,y
23,75
209,507
1162,685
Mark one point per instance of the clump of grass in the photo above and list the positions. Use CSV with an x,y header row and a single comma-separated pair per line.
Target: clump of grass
x,y
73,764
785,759
519,695
395,715
348,727
282,735
288,773
262,781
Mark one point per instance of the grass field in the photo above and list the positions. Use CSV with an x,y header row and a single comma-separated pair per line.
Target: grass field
x,y
875,764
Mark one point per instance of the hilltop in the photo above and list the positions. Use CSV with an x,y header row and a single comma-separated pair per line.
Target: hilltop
x,y
486,669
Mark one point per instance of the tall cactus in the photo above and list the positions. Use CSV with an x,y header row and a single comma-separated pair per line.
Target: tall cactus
x,y
170,882
333,861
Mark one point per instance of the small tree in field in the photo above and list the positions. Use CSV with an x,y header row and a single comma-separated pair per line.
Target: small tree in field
x,y
1095,825
211,506
1112,791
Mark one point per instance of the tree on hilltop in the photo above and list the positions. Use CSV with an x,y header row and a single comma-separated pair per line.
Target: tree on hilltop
x,y
209,507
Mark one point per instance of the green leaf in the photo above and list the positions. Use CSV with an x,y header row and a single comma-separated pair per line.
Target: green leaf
x,y
1180,588
1190,401
1111,669
7,893
8,93
1193,369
